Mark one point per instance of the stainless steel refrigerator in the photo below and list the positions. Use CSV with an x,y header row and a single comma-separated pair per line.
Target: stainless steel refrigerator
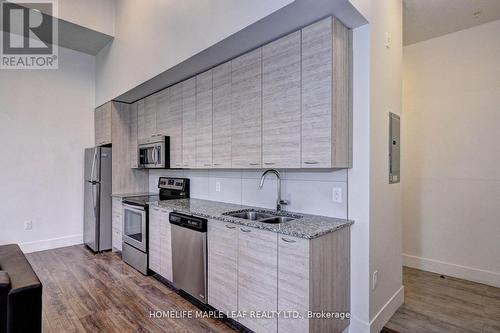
x,y
97,197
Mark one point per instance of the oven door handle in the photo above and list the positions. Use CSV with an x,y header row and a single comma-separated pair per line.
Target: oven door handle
x,y
134,208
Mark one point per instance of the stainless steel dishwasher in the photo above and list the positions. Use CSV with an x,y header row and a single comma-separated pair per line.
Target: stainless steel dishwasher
x,y
189,254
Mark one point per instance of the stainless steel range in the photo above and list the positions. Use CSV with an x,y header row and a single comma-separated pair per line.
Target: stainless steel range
x,y
135,220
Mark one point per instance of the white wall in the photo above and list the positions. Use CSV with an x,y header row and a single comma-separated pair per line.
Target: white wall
x,y
308,192
98,15
376,238
155,35
385,198
46,121
451,160
359,183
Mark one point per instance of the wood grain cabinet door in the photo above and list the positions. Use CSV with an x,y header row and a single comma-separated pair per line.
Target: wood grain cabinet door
x,y
116,235
141,120
162,116
189,123
150,105
204,120
102,124
293,282
223,265
221,136
97,126
173,126
281,118
246,119
154,255
258,277
165,245
317,76
106,123
132,144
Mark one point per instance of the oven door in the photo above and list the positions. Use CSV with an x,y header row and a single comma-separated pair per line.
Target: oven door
x,y
134,226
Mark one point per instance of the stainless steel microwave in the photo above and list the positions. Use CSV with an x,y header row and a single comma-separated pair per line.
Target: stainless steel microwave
x,y
154,153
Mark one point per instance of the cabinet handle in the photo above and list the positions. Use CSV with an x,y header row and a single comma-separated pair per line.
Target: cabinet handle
x,y
217,164
269,163
230,227
207,164
245,230
288,240
311,162
253,164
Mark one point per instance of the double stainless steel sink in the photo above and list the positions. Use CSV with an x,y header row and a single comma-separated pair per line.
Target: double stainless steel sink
x,y
263,216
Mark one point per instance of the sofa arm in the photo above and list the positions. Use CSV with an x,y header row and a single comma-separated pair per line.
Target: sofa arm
x,y
4,291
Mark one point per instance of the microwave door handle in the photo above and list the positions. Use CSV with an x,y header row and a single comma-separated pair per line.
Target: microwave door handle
x,y
154,155
157,154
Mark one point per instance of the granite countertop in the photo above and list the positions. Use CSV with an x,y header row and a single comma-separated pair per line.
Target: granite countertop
x,y
308,226
124,195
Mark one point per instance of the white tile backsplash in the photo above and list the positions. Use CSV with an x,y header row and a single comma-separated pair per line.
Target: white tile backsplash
x,y
315,197
230,189
254,196
309,191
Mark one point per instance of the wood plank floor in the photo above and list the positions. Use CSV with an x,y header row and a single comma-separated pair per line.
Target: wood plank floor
x,y
438,305
83,292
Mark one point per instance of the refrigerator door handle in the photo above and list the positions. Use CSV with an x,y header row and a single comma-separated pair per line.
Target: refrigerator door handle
x,y
93,166
95,210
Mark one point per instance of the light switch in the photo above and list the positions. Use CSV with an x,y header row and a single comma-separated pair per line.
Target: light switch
x,y
217,186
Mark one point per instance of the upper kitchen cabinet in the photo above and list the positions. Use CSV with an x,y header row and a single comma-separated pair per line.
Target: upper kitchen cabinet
x,y
169,121
162,116
281,137
203,150
189,123
326,134
146,114
173,126
132,143
246,116
102,124
221,135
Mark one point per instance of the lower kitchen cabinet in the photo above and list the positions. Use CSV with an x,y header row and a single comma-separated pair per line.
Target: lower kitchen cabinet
x,y
251,269
116,222
165,246
154,252
223,265
257,277
160,249
314,275
293,282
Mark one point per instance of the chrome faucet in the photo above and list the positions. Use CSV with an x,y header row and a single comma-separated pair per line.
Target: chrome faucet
x,y
279,202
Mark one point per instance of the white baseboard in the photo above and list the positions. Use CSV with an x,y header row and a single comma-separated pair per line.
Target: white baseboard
x,y
53,243
357,326
457,271
382,317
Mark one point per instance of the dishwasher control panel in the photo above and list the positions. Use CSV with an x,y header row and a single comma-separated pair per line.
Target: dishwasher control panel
x,y
189,221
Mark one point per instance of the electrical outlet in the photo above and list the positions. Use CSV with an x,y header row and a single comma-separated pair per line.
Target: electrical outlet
x,y
28,225
374,280
337,195
217,186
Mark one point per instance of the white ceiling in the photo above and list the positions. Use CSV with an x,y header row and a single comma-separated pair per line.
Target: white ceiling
x,y
426,19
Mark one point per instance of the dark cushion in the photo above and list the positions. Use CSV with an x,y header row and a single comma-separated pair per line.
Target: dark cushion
x,y
24,299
